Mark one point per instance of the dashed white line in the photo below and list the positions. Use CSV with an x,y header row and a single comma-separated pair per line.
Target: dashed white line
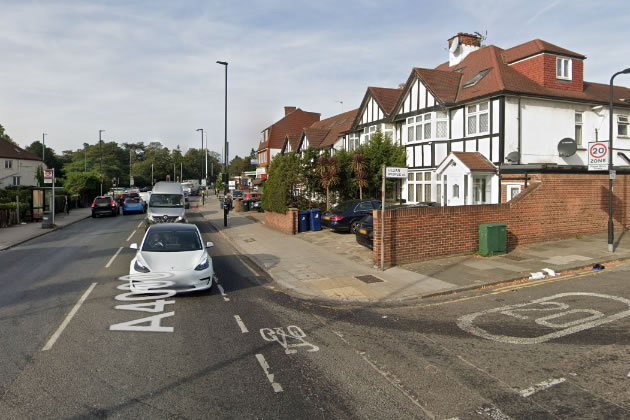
x,y
132,233
240,323
140,224
111,260
263,363
225,298
66,321
541,387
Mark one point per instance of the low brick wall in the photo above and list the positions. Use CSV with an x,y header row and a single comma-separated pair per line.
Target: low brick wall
x,y
286,223
554,206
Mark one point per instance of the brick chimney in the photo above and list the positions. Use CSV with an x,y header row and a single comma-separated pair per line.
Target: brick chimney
x,y
460,46
288,110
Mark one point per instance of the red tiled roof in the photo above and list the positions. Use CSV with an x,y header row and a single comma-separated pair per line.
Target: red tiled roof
x,y
442,83
475,161
503,78
10,151
315,136
386,97
336,125
292,123
534,47
293,140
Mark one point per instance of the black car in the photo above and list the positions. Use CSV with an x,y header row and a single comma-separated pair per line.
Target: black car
x,y
365,233
104,205
345,216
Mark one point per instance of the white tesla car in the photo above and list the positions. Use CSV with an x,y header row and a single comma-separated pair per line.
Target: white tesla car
x,y
176,254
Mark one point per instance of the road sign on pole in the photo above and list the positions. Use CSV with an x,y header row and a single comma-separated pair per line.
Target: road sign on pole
x,y
393,172
48,176
598,155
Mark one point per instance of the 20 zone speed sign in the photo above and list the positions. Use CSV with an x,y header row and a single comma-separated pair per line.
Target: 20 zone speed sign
x,y
598,154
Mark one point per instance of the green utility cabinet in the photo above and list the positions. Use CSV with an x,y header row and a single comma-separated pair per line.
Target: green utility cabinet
x,y
492,239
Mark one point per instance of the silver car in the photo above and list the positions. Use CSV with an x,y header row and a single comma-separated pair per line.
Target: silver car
x,y
176,255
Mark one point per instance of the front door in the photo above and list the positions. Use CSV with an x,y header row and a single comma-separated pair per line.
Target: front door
x,y
455,190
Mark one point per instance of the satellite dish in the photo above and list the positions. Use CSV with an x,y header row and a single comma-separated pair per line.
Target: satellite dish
x,y
567,147
512,157
454,44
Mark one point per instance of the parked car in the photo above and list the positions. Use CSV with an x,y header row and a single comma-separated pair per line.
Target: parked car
x,y
237,194
178,250
104,204
133,205
252,196
365,233
345,216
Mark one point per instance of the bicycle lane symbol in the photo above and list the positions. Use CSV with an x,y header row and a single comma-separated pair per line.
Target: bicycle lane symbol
x,y
577,320
290,339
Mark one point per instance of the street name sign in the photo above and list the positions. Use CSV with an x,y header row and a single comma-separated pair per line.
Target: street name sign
x,y
392,172
598,155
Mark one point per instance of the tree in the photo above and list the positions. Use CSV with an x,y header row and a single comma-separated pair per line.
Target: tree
x,y
359,165
5,136
87,185
309,175
328,170
280,189
380,150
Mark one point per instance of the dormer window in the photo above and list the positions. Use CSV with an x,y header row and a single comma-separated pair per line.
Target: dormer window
x,y
563,68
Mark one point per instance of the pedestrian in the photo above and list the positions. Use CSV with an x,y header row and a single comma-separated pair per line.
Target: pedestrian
x,y
66,206
227,204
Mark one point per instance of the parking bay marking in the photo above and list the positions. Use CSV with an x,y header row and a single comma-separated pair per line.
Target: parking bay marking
x,y
111,260
519,311
66,321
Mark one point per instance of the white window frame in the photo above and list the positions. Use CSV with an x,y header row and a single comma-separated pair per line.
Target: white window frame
x,y
579,124
564,68
474,113
441,117
421,182
16,180
622,125
8,164
512,187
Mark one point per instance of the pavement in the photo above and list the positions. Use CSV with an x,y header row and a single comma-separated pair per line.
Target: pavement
x,y
17,234
332,266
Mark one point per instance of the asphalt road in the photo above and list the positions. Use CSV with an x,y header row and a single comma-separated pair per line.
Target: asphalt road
x,y
552,349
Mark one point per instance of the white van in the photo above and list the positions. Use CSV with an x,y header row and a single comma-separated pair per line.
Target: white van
x,y
166,204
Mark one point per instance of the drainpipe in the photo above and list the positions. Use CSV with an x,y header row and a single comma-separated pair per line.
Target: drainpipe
x,y
520,134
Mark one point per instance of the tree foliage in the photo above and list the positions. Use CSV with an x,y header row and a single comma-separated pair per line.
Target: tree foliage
x,y
281,188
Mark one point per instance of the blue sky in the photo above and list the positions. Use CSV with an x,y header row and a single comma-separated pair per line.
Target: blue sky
x,y
145,70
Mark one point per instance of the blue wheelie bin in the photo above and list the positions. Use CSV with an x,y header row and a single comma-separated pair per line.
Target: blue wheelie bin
x,y
303,216
316,219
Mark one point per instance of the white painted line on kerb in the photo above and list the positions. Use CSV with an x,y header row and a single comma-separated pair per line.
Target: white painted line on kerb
x,y
263,364
240,323
225,298
66,321
111,260
541,387
132,233
140,225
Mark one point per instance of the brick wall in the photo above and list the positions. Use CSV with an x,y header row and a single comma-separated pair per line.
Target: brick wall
x,y
554,206
286,223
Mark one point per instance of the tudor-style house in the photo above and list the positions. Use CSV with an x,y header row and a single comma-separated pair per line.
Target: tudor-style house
x,y
273,137
330,135
476,125
17,166
373,114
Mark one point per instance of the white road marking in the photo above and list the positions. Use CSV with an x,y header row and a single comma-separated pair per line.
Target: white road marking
x,y
140,225
293,332
66,321
111,260
597,318
494,413
132,233
225,298
263,364
240,323
541,387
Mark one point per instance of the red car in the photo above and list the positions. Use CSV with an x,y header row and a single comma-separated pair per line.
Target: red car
x,y
104,204
252,196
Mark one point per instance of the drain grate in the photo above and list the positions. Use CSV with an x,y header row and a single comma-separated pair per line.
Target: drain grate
x,y
369,279
250,240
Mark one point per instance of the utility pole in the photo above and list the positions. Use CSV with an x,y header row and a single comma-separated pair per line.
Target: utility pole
x,y
227,177
43,146
130,177
100,148
201,175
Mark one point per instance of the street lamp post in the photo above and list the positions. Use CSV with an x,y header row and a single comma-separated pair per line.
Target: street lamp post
x,y
100,150
43,146
611,228
225,63
206,159
201,177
